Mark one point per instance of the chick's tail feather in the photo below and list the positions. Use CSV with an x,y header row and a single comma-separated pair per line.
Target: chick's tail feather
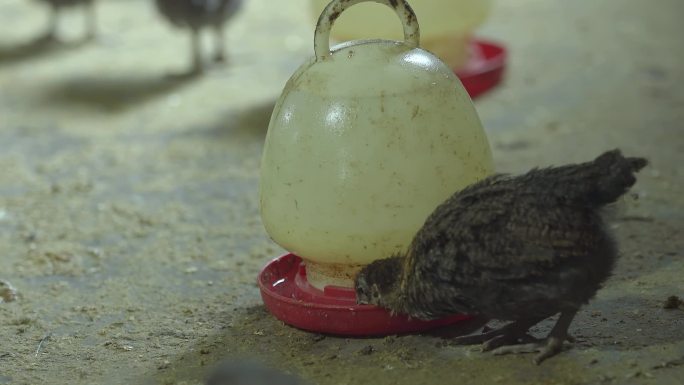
x,y
615,175
596,183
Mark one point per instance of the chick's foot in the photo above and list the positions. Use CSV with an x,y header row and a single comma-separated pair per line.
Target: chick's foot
x,y
549,347
546,348
512,333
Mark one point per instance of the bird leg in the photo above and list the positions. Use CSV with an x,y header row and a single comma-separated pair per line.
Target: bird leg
x,y
512,333
195,51
548,347
51,32
90,20
219,53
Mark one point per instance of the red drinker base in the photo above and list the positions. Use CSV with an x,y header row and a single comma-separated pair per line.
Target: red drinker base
x,y
290,298
484,69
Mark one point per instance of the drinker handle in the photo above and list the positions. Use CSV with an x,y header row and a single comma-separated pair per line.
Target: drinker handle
x,y
336,7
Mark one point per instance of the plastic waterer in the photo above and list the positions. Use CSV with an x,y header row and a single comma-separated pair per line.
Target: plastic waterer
x,y
365,141
446,28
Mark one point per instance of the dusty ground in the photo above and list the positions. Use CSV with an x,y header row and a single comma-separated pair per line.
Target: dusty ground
x,y
128,201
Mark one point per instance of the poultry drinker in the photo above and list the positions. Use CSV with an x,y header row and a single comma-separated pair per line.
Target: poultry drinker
x,y
365,141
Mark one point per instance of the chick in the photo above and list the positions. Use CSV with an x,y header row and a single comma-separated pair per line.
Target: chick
x,y
513,248
249,373
7,292
196,14
57,5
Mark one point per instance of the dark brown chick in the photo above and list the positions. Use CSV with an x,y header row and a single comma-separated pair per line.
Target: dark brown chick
x,y
249,373
514,248
58,5
196,15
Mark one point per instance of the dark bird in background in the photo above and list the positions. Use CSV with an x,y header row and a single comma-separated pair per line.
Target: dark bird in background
x,y
196,15
512,248
58,5
249,373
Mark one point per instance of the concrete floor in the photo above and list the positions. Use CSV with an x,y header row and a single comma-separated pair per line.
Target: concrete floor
x,y
129,217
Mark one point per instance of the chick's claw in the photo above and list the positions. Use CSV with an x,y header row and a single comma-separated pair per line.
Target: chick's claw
x,y
549,347
546,348
219,57
508,339
487,337
514,332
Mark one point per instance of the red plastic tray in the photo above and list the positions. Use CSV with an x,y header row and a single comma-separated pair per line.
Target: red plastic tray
x,y
484,69
290,298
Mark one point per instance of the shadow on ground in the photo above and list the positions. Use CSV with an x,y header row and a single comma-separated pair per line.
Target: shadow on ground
x,y
113,94
602,335
249,122
37,48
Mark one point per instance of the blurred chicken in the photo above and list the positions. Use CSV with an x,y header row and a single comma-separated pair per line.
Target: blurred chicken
x,y
249,373
514,248
197,14
57,5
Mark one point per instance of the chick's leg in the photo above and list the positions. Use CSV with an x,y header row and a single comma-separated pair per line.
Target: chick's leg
x,y
90,20
219,50
512,333
195,48
550,346
51,32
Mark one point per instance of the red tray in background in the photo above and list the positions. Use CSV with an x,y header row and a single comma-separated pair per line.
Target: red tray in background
x,y
290,298
485,68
